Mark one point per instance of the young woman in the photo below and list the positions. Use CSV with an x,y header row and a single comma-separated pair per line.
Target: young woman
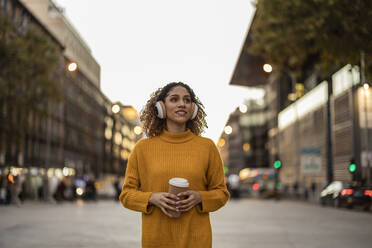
x,y
173,120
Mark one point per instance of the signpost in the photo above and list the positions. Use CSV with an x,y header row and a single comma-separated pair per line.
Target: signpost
x,y
311,161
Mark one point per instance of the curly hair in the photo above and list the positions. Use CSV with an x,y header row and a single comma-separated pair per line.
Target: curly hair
x,y
153,126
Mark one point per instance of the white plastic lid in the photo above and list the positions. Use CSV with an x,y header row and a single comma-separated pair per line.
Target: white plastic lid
x,y
179,182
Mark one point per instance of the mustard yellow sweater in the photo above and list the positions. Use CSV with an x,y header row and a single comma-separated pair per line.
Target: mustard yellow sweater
x,y
151,164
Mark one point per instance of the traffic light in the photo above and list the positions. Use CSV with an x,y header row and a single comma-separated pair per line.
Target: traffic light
x,y
352,166
277,164
352,169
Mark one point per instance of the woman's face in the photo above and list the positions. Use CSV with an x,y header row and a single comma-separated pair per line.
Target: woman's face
x,y
178,105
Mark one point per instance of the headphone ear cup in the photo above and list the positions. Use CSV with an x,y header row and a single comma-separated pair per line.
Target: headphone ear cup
x,y
195,111
160,110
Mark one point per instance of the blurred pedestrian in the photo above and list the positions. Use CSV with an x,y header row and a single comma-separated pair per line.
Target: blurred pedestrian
x,y
15,190
234,185
313,190
117,188
3,187
69,193
306,194
295,189
90,189
60,192
53,182
173,120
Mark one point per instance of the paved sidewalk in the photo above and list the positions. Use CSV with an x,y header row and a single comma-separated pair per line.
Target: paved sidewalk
x,y
240,224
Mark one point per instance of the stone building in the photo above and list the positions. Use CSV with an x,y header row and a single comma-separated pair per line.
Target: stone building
x,y
74,137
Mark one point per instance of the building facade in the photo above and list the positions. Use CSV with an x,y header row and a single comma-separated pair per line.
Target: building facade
x,y
81,134
246,144
316,126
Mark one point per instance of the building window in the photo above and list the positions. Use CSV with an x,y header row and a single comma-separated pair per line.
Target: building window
x,y
11,11
20,19
26,23
3,5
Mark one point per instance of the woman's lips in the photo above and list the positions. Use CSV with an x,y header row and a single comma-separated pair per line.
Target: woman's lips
x,y
181,112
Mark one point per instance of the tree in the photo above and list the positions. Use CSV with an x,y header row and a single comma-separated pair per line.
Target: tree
x,y
292,34
28,80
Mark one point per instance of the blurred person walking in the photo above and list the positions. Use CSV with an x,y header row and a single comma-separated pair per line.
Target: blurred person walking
x,y
173,120
60,191
53,182
234,185
3,189
313,190
90,188
15,190
117,186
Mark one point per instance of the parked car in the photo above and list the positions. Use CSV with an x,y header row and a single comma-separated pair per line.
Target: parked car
x,y
337,194
362,197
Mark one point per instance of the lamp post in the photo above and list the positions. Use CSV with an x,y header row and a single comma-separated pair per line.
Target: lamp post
x,y
366,95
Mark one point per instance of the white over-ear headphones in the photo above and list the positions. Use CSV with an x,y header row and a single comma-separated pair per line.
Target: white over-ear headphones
x,y
162,113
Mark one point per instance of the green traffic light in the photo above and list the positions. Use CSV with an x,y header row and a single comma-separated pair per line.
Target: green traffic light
x,y
277,164
352,167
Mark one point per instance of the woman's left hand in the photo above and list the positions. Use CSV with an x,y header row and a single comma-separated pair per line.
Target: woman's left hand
x,y
192,198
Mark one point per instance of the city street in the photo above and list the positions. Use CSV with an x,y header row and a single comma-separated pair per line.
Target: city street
x,y
266,99
244,223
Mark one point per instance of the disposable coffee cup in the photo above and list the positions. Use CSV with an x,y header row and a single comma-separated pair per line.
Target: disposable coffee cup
x,y
176,186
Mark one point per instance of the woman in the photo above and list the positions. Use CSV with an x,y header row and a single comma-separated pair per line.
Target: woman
x,y
173,120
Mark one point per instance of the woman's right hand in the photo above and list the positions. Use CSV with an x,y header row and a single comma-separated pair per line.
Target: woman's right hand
x,y
164,201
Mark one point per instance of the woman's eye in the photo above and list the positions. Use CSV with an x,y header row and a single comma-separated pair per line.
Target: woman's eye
x,y
187,100
173,99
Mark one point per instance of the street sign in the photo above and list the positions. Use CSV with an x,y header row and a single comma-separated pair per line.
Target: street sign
x,y
311,161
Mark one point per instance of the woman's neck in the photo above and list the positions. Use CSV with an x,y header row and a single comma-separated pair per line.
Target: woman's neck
x,y
175,127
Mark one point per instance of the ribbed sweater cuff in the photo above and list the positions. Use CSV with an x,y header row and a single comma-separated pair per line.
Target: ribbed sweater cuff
x,y
147,207
203,206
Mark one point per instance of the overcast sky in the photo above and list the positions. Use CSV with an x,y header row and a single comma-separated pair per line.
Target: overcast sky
x,y
142,45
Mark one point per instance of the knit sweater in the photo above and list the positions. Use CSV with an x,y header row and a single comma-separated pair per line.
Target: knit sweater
x,y
151,164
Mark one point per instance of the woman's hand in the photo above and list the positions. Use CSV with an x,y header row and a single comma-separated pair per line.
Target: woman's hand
x,y
192,198
164,201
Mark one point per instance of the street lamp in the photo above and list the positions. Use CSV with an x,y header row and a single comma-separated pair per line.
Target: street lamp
x,y
246,147
72,66
221,142
130,113
115,108
243,108
267,68
228,130
137,130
